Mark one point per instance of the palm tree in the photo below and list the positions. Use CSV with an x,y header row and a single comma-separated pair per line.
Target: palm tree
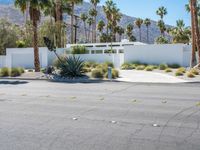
x,y
84,18
147,22
162,11
35,7
162,27
120,31
100,26
129,31
93,14
90,21
95,3
138,23
73,3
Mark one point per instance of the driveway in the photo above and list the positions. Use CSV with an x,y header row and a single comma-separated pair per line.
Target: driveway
x,y
41,115
147,77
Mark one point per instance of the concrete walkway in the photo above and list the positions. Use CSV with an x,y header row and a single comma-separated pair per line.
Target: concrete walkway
x,y
147,77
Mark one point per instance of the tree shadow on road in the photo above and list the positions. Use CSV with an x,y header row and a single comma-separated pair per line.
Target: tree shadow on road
x,y
13,82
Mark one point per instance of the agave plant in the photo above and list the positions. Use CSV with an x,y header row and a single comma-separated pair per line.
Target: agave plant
x,y
73,67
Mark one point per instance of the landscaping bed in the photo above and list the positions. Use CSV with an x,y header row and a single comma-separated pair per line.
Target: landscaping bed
x,y
172,69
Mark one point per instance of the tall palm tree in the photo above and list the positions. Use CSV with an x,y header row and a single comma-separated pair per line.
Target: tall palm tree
x,y
120,31
162,27
90,21
129,30
73,3
93,14
138,23
35,7
147,23
95,3
162,11
84,18
100,26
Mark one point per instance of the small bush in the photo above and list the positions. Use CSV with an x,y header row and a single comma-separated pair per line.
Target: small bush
x,y
21,70
194,71
190,75
90,64
168,70
183,70
115,74
97,73
179,73
43,70
127,66
79,49
174,66
149,68
4,72
86,70
140,67
163,66
109,64
15,72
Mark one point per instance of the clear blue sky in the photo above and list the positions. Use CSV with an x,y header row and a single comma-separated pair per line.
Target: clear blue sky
x,y
147,9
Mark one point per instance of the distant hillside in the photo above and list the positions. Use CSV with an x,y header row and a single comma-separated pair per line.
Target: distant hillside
x,y
7,10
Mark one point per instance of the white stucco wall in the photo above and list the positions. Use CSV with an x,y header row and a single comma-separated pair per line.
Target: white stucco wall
x,y
24,57
157,54
2,61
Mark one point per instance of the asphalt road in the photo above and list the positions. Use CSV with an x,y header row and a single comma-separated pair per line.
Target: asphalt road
x,y
41,115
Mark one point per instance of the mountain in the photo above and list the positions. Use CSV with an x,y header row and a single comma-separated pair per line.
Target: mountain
x,y
7,10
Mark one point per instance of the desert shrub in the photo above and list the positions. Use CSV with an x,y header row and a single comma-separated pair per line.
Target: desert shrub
x,y
149,68
174,66
21,70
109,64
163,66
4,72
155,67
115,73
97,73
181,69
90,64
15,72
30,70
128,66
78,49
57,63
190,75
86,70
179,73
140,67
194,71
73,67
168,70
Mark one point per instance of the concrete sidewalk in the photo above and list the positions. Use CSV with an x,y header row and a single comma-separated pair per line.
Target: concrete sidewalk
x,y
147,77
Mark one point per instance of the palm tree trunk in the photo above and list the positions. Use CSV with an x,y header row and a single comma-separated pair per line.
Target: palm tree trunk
x,y
196,27
85,31
140,34
35,46
193,59
147,34
72,24
95,24
58,23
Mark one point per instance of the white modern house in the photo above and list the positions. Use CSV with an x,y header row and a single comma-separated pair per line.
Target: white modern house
x,y
122,52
